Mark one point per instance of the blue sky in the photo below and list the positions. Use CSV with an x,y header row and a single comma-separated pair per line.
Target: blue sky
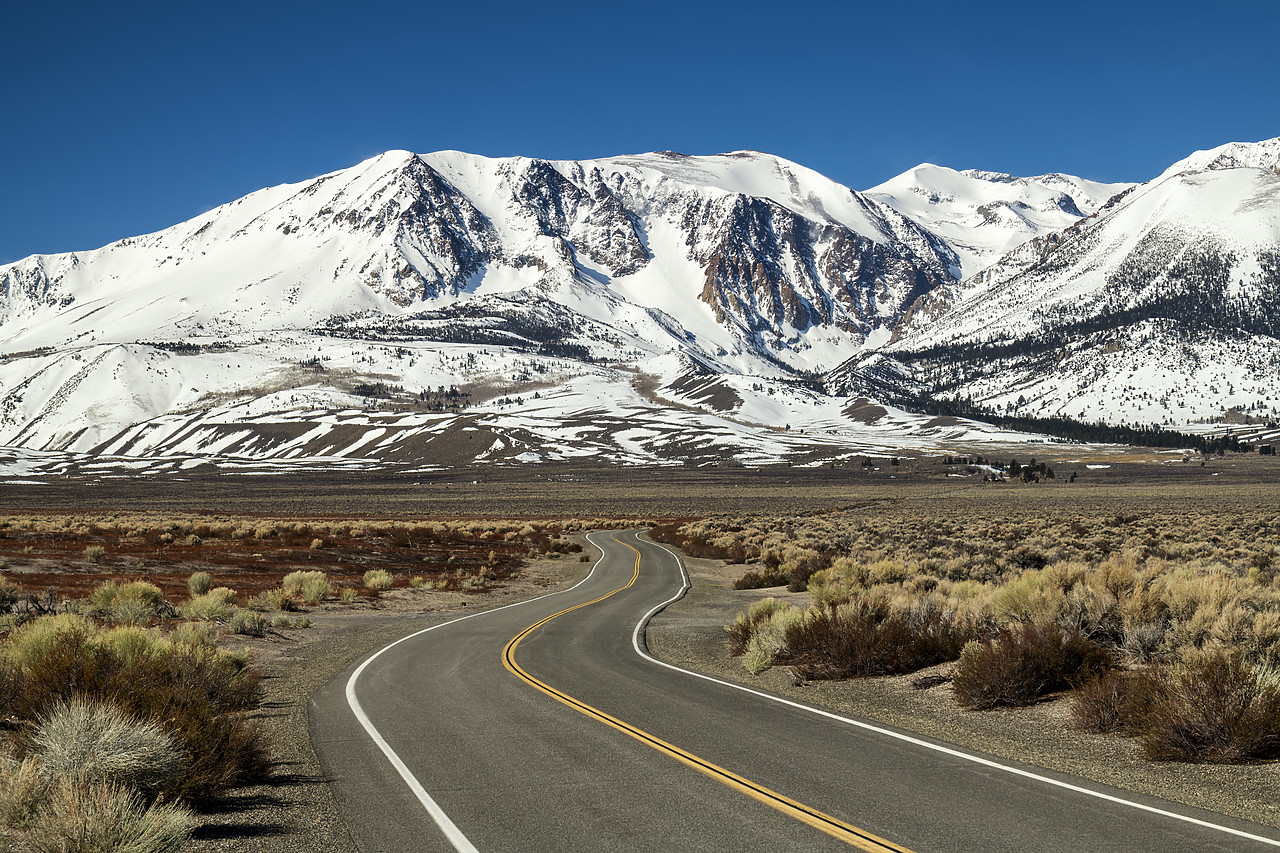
x,y
126,119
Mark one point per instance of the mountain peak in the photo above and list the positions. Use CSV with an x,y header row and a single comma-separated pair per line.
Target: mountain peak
x,y
1233,155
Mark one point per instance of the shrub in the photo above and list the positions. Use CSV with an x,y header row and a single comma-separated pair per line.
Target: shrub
x,y
759,580
1215,707
311,587
275,599
147,594
378,580
11,686
95,553
744,625
133,645
216,605
87,817
768,634
867,637
100,743
127,611
9,594
347,596
1114,703
248,622
1023,663
195,693
103,595
199,583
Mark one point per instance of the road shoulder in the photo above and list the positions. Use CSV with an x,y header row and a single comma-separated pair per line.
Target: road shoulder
x,y
689,633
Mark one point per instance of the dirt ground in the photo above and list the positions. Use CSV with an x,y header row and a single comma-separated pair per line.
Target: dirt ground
x,y
645,494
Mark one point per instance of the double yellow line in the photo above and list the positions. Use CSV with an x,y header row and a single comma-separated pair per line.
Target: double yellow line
x,y
859,838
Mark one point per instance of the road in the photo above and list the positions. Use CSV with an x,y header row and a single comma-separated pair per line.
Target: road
x,y
544,726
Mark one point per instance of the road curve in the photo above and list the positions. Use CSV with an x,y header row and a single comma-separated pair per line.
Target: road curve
x,y
490,734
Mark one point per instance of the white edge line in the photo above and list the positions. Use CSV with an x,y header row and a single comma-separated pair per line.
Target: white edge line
x,y
447,826
635,643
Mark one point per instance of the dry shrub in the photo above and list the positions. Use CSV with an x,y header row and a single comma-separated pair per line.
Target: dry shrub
x,y
768,638
1215,707
377,580
311,587
1116,702
9,594
86,817
198,695
199,583
101,743
745,624
275,599
870,637
23,787
216,605
248,622
761,580
800,565
1023,663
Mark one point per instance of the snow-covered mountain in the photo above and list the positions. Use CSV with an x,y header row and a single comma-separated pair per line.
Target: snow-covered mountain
x,y
984,215
495,274
1163,307
413,305
750,251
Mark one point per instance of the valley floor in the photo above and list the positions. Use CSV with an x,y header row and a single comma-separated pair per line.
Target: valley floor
x,y
296,811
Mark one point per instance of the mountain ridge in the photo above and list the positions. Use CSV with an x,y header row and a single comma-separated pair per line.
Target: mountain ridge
x,y
514,276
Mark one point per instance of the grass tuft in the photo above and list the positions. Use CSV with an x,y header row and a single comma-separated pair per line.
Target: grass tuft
x,y
88,817
101,743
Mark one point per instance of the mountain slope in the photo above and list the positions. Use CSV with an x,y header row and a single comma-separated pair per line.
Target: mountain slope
x,y
1165,307
984,215
654,308
478,270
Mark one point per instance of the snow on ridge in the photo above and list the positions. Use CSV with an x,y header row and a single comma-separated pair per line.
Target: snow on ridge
x,y
1233,155
985,215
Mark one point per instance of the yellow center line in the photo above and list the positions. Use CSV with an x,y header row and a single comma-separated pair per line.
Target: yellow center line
x,y
859,838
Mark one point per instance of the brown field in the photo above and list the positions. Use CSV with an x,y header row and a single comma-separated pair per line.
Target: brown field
x,y
64,556
393,522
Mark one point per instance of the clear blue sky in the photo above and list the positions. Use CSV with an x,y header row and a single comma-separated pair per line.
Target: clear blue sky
x,y
126,118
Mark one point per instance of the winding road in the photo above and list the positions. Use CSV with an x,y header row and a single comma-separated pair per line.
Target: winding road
x,y
546,726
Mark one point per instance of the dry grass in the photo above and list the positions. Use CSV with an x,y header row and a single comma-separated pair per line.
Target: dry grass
x,y
1051,600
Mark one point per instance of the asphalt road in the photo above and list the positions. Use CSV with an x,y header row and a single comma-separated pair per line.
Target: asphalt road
x,y
569,739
